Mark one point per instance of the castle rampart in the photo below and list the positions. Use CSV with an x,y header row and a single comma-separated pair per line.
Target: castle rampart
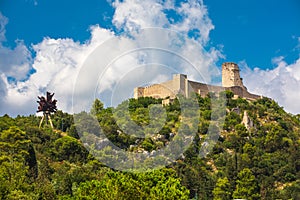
x,y
231,80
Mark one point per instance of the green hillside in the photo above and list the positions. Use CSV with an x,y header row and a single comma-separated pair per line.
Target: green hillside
x,y
256,161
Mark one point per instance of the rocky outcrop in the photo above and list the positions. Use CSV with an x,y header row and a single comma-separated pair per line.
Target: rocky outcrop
x,y
247,121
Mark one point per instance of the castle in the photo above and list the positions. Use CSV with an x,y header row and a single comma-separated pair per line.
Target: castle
x,y
168,90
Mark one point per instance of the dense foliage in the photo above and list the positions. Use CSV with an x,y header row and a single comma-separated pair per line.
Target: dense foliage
x,y
256,162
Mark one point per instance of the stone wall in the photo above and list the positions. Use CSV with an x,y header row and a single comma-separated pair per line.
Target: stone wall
x,y
204,89
231,80
166,89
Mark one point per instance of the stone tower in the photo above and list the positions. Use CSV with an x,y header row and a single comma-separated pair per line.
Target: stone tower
x,y
231,75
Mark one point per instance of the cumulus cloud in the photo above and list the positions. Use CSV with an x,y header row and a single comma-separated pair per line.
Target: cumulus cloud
x,y
281,83
132,15
15,67
14,63
191,16
149,45
56,67
195,18
100,65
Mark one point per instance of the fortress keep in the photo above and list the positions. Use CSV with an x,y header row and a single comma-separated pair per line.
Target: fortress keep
x,y
180,84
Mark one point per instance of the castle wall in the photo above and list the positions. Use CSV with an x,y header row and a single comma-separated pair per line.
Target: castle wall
x,y
166,89
204,89
241,92
157,91
231,80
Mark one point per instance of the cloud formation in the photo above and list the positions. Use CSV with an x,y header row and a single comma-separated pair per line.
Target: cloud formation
x,y
109,59
56,67
58,62
281,83
14,63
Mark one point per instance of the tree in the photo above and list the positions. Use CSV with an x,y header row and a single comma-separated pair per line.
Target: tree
x,y
231,120
18,164
222,189
246,187
169,189
68,175
97,107
160,184
16,144
69,148
12,176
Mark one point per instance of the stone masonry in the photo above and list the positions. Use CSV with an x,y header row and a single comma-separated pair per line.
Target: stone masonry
x,y
231,80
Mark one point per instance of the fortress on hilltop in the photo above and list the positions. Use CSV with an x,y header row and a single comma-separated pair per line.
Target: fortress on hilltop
x,y
168,90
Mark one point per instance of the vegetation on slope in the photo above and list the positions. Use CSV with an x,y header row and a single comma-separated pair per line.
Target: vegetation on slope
x,y
258,162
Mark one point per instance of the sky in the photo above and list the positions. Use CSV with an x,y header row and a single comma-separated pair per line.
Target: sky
x,y
54,45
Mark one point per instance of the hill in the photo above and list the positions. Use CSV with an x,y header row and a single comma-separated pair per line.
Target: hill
x,y
256,155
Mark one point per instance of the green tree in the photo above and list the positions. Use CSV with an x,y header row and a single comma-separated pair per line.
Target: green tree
x,y
68,175
69,148
160,184
169,189
13,176
97,107
16,144
6,122
222,189
246,186
231,120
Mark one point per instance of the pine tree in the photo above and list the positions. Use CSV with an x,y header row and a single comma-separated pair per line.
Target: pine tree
x,y
222,189
246,187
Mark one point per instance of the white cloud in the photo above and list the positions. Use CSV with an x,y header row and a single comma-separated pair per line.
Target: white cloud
x,y
113,61
15,63
15,66
195,18
62,64
56,66
281,83
131,15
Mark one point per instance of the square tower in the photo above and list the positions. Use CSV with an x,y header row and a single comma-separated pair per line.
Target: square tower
x,y
231,75
179,84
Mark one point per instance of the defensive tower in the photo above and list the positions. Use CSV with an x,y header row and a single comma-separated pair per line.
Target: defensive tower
x,y
231,75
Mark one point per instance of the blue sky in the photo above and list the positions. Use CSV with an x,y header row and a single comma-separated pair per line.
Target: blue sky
x,y
261,36
251,30
56,19
256,31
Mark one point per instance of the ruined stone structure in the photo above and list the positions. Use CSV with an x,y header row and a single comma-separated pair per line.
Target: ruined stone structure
x,y
231,80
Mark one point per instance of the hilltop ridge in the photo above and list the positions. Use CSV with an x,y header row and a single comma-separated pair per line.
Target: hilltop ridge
x,y
258,162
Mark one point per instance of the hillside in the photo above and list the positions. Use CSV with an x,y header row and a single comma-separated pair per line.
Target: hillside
x,y
256,159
